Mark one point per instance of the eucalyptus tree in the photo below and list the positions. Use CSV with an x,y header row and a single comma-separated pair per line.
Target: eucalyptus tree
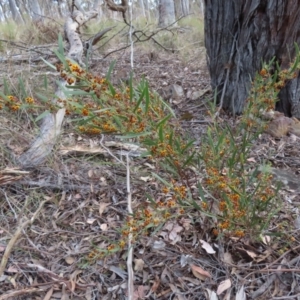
x,y
240,36
166,13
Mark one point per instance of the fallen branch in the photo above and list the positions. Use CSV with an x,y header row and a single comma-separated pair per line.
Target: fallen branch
x,y
130,246
51,124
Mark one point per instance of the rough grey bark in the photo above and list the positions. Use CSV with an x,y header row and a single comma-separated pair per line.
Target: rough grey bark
x,y
61,6
239,36
3,13
147,9
166,13
15,12
36,12
96,5
182,8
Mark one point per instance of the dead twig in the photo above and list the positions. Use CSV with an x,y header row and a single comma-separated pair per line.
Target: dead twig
x,y
17,234
130,247
15,293
145,39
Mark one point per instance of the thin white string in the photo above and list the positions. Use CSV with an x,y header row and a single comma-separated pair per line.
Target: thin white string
x,y
130,35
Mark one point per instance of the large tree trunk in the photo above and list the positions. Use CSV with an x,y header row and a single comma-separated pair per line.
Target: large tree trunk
x,y
36,11
166,12
239,36
15,12
182,8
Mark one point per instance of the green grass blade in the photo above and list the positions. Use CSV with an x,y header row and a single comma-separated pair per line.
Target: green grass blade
x,y
22,88
110,69
42,115
60,44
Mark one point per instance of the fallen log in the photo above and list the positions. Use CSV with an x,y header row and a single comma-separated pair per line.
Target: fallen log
x,y
51,124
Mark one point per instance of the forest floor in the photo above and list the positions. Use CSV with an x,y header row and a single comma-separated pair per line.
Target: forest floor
x,y
85,203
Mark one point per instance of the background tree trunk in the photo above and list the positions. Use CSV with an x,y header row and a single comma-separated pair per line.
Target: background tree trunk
x,y
239,36
166,12
182,8
15,12
36,11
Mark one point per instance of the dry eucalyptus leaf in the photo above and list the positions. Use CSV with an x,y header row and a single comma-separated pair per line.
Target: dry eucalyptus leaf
x,y
223,286
103,227
251,254
251,159
159,245
139,293
297,222
138,265
186,223
211,295
241,295
173,233
265,255
102,207
12,269
91,220
207,247
48,296
156,284
184,260
266,239
146,179
69,260
199,272
227,258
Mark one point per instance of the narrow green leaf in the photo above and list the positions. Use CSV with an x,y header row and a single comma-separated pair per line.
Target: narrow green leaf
x,y
45,82
22,88
167,184
77,92
42,97
139,101
42,115
110,69
195,204
48,64
146,89
6,87
189,159
134,135
187,146
201,192
118,121
62,59
168,107
111,88
161,134
4,96
163,121
150,199
60,44
131,85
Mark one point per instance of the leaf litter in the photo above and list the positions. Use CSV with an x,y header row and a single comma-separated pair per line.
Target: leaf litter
x,y
87,205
